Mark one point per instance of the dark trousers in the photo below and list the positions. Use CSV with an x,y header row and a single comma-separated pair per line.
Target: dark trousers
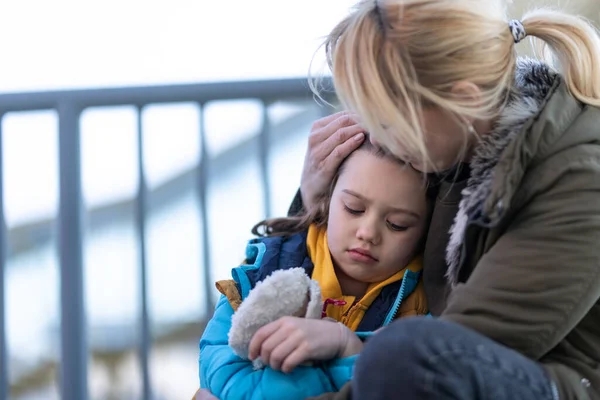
x,y
427,358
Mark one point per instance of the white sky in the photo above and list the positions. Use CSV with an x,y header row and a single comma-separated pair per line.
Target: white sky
x,y
82,43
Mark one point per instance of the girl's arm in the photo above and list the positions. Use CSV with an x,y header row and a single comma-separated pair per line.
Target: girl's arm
x,y
228,376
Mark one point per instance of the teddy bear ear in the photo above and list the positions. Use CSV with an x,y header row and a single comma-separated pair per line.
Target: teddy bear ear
x,y
315,303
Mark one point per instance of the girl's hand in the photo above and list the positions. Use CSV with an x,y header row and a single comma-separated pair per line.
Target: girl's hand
x,y
331,140
291,341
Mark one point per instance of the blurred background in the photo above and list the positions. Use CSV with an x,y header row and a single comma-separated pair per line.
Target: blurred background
x,y
140,142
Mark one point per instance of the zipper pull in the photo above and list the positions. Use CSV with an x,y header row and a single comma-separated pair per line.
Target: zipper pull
x,y
332,302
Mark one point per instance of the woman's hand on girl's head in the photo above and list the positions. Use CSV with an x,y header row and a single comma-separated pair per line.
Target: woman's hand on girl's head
x,y
291,341
331,140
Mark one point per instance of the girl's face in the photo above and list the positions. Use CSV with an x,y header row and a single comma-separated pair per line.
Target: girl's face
x,y
377,217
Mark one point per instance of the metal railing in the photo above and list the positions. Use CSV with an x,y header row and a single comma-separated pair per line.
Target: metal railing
x,y
69,106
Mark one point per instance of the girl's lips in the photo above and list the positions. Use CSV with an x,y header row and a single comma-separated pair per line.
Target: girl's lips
x,y
362,256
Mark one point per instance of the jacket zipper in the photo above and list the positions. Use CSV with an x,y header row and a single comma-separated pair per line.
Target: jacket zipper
x,y
347,313
397,304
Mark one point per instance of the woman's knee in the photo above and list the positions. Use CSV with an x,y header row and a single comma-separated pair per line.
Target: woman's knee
x,y
407,340
432,358
401,335
396,357
415,341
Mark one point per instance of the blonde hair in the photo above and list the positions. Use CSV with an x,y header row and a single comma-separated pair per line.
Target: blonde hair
x,y
391,58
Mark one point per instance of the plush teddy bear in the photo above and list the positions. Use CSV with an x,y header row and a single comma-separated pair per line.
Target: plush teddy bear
x,y
283,293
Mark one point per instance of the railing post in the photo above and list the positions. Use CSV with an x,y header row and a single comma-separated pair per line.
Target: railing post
x,y
3,238
203,165
263,154
73,329
145,336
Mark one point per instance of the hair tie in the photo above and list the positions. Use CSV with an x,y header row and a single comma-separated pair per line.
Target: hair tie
x,y
517,29
381,20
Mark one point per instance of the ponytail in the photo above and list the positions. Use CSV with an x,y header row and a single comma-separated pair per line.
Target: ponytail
x,y
574,44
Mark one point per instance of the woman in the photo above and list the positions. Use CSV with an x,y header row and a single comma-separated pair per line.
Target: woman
x,y
517,144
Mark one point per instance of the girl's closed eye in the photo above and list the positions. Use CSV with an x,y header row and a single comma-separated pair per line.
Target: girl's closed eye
x,y
397,227
353,210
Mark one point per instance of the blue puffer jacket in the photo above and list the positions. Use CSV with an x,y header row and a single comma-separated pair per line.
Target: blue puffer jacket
x,y
230,377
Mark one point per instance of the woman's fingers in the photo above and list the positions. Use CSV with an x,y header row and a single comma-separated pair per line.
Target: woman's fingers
x,y
338,154
322,133
346,134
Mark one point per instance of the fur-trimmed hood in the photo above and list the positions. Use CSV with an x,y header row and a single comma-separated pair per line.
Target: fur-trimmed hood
x,y
497,165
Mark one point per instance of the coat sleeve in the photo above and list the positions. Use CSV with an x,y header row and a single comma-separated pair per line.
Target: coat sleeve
x,y
230,377
542,276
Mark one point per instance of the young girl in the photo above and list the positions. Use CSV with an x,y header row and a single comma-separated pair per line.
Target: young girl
x,y
361,242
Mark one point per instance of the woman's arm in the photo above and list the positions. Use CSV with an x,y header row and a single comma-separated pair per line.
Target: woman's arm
x,y
543,275
228,376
